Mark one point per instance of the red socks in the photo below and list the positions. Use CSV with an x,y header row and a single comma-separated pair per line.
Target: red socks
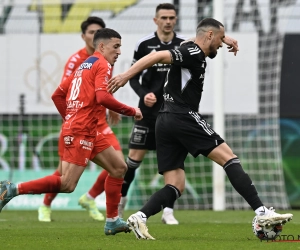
x,y
98,186
48,184
113,188
49,197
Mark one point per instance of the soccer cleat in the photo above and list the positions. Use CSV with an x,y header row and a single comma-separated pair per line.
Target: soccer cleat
x,y
272,218
8,191
169,219
118,226
138,226
44,214
121,206
90,206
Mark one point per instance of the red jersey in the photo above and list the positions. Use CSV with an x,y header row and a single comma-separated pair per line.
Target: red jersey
x,y
83,111
72,64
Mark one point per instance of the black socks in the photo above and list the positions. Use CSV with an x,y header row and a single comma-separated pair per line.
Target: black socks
x,y
242,182
161,199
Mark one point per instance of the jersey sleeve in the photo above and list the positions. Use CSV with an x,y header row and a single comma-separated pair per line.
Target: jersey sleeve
x,y
135,81
185,56
59,96
64,85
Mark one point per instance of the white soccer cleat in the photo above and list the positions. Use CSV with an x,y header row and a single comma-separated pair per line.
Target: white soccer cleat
x,y
121,206
138,226
169,219
272,218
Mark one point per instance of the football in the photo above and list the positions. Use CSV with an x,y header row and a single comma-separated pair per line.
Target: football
x,y
267,232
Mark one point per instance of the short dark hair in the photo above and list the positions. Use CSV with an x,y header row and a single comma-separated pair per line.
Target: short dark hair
x,y
165,6
92,20
209,22
105,33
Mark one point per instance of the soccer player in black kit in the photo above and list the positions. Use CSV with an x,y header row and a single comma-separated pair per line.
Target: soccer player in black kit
x,y
180,129
150,91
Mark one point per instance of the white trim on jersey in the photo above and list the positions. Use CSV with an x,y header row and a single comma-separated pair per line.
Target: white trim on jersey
x,y
148,37
185,77
194,51
201,122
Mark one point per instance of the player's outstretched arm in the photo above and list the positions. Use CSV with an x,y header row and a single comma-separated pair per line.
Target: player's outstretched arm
x,y
145,62
232,44
108,101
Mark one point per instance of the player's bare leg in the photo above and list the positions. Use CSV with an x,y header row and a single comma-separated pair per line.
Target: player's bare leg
x,y
242,183
116,167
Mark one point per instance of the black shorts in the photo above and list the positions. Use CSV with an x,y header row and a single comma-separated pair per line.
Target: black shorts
x,y
143,135
180,134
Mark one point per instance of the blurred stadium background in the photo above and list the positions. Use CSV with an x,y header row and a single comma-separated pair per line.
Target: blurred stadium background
x,y
261,94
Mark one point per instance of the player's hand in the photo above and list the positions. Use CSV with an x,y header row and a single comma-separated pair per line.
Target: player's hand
x,y
113,118
138,114
115,83
150,99
232,44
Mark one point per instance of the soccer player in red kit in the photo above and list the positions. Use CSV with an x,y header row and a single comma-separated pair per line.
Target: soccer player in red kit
x,y
88,28
79,100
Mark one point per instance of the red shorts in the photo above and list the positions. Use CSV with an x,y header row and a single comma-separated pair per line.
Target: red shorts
x,y
100,144
78,149
110,136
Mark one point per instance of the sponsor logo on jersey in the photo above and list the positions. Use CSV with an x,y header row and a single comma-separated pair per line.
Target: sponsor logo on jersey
x,y
88,63
140,131
85,65
202,76
194,50
86,144
74,104
161,67
68,139
168,98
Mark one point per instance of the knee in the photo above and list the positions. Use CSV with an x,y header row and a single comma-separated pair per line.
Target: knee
x,y
119,170
181,189
179,186
67,187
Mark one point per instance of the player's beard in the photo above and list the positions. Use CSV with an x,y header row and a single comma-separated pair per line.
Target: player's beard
x,y
213,52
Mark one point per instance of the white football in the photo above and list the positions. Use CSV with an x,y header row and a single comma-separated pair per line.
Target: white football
x,y
266,232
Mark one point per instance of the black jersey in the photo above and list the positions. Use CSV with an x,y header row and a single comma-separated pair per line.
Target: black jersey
x,y
152,79
184,82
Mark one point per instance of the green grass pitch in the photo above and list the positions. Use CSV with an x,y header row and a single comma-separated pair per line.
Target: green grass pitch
x,y
203,230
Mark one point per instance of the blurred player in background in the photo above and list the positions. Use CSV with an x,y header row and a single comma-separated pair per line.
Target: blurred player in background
x,y
79,99
180,129
150,90
88,28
